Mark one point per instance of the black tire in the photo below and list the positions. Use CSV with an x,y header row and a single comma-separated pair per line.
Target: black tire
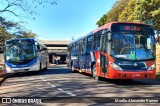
x,y
94,73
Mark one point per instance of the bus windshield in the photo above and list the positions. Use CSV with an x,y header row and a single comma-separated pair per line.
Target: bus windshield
x,y
19,50
133,46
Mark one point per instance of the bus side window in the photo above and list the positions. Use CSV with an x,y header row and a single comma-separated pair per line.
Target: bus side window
x,y
73,49
80,46
76,48
96,40
84,45
89,44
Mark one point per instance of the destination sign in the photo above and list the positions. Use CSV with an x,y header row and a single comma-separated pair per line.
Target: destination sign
x,y
119,27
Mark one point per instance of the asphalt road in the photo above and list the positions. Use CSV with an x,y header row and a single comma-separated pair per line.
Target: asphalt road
x,y
59,81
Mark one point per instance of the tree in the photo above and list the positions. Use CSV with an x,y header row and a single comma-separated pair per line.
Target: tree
x,y
5,28
18,8
3,35
127,15
114,13
147,11
7,25
25,6
28,34
10,30
102,20
150,13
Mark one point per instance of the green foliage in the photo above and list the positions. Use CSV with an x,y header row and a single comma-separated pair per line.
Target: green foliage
x,y
127,14
3,35
5,26
114,13
10,30
102,21
28,34
21,9
147,11
150,13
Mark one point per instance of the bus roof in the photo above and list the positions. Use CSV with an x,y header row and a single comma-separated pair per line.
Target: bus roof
x,y
105,26
20,39
80,38
26,39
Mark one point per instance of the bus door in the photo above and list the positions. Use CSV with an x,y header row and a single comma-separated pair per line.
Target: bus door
x,y
103,54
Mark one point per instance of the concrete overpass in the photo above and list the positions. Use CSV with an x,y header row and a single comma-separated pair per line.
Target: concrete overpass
x,y
56,48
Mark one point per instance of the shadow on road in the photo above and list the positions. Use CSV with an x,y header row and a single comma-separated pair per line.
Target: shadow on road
x,y
82,85
56,71
126,82
64,70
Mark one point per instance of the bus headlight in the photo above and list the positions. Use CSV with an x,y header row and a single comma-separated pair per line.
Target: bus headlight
x,y
115,66
152,67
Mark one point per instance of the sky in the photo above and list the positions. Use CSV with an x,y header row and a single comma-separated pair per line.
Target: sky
x,y
67,19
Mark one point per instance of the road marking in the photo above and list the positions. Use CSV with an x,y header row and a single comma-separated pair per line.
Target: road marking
x,y
53,86
48,83
60,89
69,93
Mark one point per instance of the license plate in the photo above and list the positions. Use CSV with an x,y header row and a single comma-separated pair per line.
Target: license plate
x,y
135,75
19,70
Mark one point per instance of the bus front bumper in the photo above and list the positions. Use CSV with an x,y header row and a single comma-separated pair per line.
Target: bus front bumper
x,y
133,75
34,67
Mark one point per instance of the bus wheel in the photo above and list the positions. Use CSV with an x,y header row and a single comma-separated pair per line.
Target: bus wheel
x,y
95,76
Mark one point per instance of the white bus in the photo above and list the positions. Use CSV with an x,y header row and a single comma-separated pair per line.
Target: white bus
x,y
25,54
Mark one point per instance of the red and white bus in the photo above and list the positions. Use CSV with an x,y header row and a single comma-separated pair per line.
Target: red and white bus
x,y
116,50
